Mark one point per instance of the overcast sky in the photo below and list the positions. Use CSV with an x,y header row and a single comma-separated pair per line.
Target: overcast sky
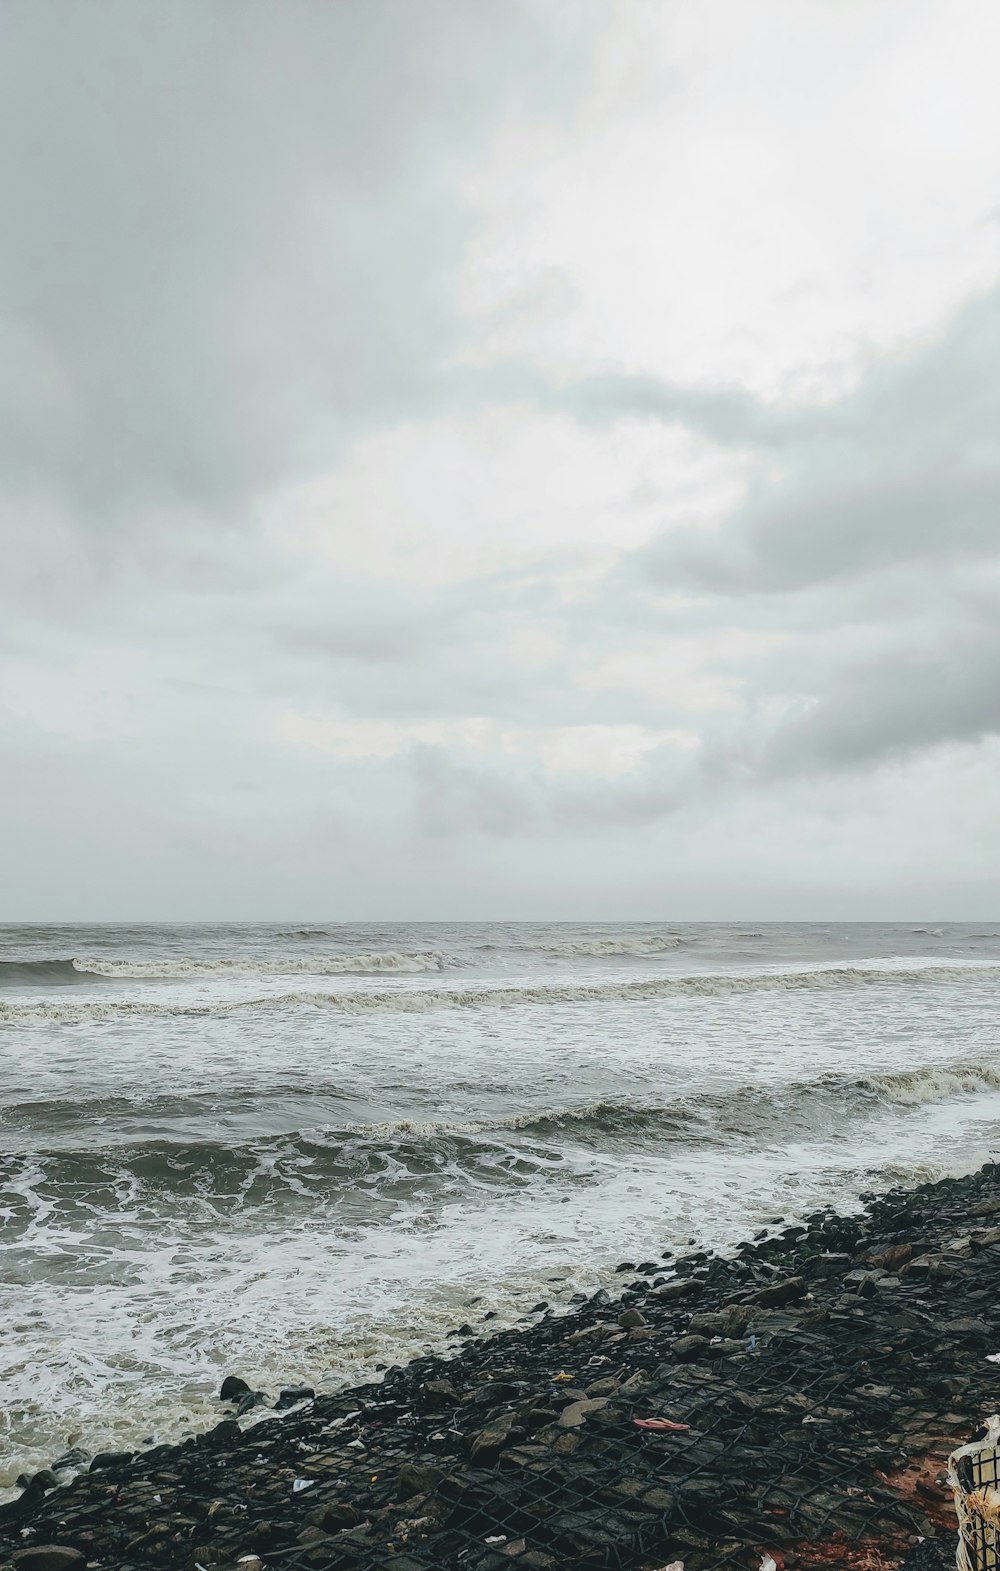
x,y
480,458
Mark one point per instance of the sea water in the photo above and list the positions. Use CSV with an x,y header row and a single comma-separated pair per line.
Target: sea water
x,y
299,1152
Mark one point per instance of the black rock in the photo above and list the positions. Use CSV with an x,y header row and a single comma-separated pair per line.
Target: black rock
x,y
74,1457
233,1389
111,1461
290,1396
250,1401
49,1557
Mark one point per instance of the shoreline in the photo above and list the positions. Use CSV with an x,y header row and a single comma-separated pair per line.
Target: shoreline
x,y
815,1381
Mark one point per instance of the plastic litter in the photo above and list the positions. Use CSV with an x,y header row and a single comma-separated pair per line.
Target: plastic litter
x,y
302,1483
974,1475
768,1563
666,1424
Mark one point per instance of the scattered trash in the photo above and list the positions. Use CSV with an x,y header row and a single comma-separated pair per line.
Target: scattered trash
x,y
562,1375
751,1345
993,1358
302,1483
661,1423
768,1563
974,1475
498,1538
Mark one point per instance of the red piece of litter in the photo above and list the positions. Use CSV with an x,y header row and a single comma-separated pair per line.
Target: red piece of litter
x,y
660,1423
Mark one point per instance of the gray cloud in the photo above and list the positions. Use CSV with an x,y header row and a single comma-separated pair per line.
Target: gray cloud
x,y
231,227
907,468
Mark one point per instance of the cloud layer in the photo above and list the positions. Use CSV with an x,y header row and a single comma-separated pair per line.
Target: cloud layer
x,y
540,462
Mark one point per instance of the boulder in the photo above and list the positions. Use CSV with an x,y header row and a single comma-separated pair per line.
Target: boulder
x,y
49,1557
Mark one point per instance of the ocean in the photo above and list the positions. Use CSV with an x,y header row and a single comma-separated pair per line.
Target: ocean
x,y
297,1152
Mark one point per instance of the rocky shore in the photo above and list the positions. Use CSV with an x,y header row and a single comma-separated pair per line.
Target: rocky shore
x,y
792,1403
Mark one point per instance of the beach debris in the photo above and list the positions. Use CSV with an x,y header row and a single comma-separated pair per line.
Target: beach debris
x,y
974,1475
302,1483
666,1424
768,1563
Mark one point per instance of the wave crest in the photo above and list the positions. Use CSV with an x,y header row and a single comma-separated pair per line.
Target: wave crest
x,y
935,1083
639,945
42,973
418,1000
181,968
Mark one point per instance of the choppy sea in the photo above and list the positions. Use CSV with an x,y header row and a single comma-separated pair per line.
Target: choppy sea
x,y
298,1152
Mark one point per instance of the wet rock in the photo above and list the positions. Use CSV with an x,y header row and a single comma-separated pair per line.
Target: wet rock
x,y
49,1557
892,1258
729,1322
784,1292
39,1482
291,1396
111,1461
685,1287
335,1516
74,1457
233,1389
631,1319
250,1401
438,1393
486,1446
968,1330
415,1479
686,1348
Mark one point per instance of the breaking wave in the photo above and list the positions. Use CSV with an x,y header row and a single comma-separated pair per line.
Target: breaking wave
x,y
638,946
936,1083
420,999
311,1159
22,973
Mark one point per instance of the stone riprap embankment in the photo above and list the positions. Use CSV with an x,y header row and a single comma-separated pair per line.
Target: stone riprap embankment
x,y
805,1392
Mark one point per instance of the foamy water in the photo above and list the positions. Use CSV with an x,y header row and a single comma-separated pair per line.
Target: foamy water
x,y
297,1152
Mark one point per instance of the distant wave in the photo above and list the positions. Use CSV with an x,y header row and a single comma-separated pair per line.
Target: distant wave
x,y
420,999
638,945
43,973
180,968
